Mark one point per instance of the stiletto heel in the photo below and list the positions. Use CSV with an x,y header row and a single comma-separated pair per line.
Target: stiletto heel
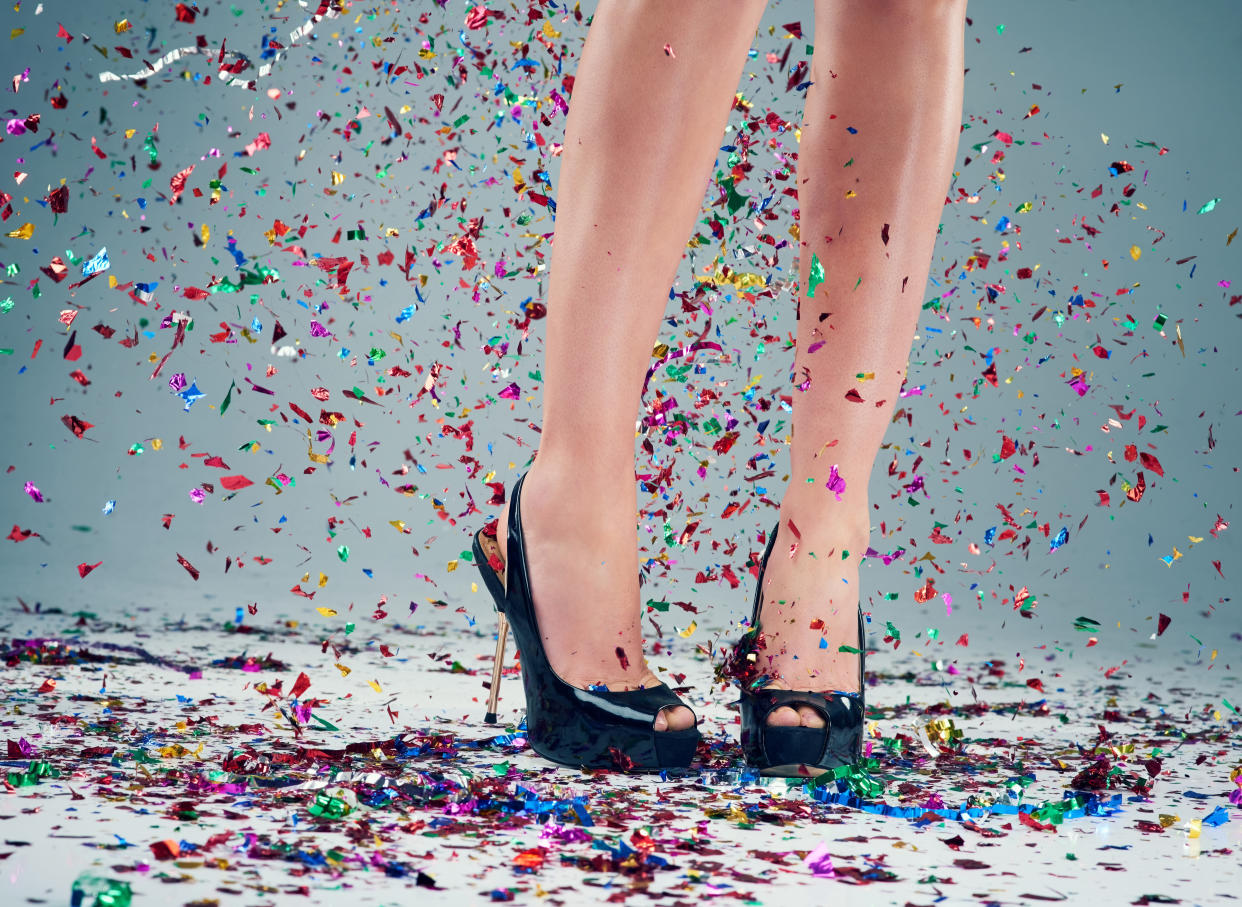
x,y
783,750
502,633
594,728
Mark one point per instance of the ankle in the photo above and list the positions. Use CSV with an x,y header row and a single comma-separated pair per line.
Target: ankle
x,y
821,526
609,494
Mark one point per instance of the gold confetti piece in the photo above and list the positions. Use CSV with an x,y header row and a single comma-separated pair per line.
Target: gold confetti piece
x,y
121,26
549,31
345,672
451,566
1193,827
686,633
943,730
323,580
1135,252
25,231
326,612
1104,138
374,684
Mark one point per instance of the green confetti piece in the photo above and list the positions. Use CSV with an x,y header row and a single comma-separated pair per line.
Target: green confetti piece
x,y
97,891
329,807
228,398
1209,206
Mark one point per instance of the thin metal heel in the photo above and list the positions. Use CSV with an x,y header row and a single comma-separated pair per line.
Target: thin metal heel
x,y
487,558
502,633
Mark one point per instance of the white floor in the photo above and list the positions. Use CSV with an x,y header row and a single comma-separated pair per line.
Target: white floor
x,y
134,748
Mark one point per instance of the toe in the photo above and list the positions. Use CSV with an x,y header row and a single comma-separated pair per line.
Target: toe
x,y
784,717
809,717
674,718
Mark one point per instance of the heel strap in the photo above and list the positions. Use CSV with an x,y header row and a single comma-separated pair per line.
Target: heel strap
x,y
642,704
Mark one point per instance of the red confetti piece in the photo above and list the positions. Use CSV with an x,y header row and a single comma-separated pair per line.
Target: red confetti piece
x,y
233,483
1152,463
166,850
300,686
84,569
189,568
76,425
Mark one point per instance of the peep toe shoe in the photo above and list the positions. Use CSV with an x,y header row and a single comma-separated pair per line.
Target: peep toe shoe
x,y
781,750
588,728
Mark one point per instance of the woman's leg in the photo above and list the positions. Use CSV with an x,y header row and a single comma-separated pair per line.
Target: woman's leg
x,y
870,205
640,142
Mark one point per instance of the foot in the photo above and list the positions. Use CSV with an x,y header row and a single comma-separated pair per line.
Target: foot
x,y
810,597
583,566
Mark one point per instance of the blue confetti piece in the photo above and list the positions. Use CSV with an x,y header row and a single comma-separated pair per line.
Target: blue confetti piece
x,y
98,264
1218,816
1059,539
190,394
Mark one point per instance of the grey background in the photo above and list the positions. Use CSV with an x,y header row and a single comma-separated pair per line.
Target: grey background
x,y
1136,71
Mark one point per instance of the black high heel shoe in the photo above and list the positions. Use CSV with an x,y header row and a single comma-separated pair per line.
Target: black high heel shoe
x,y
594,728
781,750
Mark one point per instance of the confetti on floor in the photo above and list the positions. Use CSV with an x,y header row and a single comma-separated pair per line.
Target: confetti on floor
x,y
138,756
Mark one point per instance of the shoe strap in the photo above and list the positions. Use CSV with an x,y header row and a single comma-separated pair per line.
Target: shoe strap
x,y
647,701
766,700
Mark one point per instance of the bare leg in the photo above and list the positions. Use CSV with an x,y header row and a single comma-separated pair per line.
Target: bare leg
x,y
892,70
640,141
